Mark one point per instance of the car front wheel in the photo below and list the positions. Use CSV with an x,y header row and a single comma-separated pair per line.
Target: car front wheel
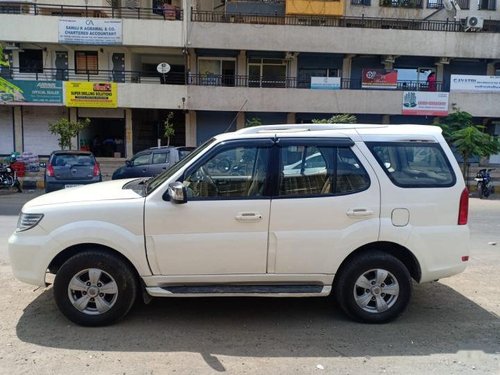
x,y
374,287
94,288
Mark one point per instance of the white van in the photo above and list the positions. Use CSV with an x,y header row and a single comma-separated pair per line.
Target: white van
x,y
356,211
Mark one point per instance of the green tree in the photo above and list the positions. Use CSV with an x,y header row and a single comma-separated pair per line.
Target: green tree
x,y
467,138
4,61
344,118
254,121
66,130
168,127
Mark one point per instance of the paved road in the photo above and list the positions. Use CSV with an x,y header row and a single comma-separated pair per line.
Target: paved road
x,y
451,327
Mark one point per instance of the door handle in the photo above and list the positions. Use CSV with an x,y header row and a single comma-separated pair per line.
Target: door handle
x,y
359,212
249,216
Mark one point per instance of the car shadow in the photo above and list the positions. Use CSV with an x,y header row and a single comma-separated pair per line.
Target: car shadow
x,y
439,320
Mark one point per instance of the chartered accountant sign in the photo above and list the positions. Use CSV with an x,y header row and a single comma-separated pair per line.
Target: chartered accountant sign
x,y
20,92
459,82
422,103
95,31
91,94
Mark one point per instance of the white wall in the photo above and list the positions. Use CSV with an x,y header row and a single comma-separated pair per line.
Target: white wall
x,y
6,130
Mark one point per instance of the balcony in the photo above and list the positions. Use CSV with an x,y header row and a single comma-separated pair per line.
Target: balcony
x,y
315,7
414,4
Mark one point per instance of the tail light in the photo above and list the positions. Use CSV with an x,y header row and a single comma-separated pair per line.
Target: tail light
x,y
50,170
463,210
97,171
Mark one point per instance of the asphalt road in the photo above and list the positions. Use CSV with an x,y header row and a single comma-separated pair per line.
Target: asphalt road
x,y
451,327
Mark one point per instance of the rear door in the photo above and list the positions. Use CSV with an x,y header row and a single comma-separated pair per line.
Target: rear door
x,y
323,210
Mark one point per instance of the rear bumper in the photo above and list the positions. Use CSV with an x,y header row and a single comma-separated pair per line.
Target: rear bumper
x,y
53,185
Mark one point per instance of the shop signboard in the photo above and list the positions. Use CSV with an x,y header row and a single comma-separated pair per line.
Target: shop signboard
x,y
325,83
460,82
424,103
22,92
91,94
94,31
379,79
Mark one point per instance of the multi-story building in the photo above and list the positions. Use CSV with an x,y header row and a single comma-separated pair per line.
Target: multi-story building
x,y
280,61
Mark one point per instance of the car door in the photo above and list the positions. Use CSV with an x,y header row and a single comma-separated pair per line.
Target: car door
x,y
139,165
223,227
160,162
323,211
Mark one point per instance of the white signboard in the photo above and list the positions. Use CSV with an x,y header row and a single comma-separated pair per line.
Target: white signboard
x,y
163,68
325,83
95,31
425,103
460,82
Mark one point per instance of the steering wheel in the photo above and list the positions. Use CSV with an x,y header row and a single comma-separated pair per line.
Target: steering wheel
x,y
205,177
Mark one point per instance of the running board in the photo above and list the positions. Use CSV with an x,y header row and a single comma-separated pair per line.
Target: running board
x,y
240,291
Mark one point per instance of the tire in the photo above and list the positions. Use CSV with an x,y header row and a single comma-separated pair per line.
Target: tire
x,y
373,287
94,288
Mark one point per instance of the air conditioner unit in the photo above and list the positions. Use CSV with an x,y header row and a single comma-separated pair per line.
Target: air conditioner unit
x,y
474,23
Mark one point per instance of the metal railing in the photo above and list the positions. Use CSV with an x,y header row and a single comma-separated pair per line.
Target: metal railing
x,y
90,11
212,80
361,22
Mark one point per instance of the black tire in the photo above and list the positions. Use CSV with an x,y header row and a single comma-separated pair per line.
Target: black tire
x,y
107,307
372,265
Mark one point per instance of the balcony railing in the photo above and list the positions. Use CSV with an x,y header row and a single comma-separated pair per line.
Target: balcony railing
x,y
212,80
59,10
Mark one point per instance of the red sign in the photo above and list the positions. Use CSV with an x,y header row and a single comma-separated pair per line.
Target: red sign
x,y
379,79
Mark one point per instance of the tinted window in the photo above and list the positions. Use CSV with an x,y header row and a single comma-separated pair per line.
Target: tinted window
x,y
238,172
62,160
160,158
414,164
320,171
141,160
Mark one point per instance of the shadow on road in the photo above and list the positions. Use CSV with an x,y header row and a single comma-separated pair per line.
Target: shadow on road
x,y
439,320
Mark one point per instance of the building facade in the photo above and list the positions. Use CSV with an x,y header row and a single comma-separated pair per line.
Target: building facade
x,y
233,62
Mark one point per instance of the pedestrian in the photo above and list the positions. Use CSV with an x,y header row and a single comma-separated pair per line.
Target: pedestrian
x,y
431,82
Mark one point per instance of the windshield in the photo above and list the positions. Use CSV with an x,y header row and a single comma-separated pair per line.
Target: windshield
x,y
153,183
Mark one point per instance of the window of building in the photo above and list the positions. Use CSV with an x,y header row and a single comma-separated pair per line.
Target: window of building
x,y
487,4
305,74
266,72
361,2
414,79
86,62
401,3
217,71
31,61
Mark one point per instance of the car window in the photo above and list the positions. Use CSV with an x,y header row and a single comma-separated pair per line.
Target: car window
x,y
68,160
142,159
320,171
160,157
237,172
410,164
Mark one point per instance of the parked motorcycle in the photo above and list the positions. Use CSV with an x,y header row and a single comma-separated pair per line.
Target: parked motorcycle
x,y
484,185
8,178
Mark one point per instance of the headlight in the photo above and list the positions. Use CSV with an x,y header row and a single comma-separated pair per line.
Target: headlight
x,y
28,221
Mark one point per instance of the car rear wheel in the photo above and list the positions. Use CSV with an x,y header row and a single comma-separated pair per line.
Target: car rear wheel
x,y
374,287
94,288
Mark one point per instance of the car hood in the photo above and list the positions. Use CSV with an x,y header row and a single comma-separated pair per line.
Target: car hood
x,y
109,190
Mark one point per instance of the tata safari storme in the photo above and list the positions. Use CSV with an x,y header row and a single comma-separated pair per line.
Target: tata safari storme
x,y
356,211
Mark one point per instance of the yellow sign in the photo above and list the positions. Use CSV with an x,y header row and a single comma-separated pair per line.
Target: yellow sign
x,y
91,94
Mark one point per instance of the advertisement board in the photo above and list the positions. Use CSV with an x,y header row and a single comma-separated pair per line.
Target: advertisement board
x,y
459,82
91,94
424,103
325,83
20,92
379,79
95,31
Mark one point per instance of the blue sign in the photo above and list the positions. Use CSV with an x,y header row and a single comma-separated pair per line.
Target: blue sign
x,y
19,92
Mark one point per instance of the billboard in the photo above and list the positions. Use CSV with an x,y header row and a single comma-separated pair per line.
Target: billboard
x,y
94,31
422,103
325,83
459,82
91,94
20,92
379,79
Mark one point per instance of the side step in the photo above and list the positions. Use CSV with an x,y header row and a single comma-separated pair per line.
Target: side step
x,y
240,291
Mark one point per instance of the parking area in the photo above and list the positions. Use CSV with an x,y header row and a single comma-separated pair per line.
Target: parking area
x,y
451,327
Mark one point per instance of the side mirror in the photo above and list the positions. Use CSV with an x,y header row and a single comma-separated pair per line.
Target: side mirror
x,y
43,165
128,163
177,192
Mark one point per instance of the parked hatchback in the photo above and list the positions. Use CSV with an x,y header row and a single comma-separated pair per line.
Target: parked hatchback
x,y
380,206
151,162
66,169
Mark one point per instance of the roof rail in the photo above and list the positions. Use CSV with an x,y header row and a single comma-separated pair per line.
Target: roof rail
x,y
303,128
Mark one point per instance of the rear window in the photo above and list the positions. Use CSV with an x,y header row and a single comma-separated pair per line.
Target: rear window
x,y
67,160
414,165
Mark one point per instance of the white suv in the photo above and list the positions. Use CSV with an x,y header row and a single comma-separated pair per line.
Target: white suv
x,y
379,205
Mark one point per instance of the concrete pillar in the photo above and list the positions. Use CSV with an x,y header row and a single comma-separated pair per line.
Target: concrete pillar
x,y
241,63
73,117
192,65
346,66
293,67
386,119
18,129
490,69
440,73
129,135
191,128
240,120
290,118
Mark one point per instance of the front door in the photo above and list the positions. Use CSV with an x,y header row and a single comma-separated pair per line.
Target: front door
x,y
223,227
